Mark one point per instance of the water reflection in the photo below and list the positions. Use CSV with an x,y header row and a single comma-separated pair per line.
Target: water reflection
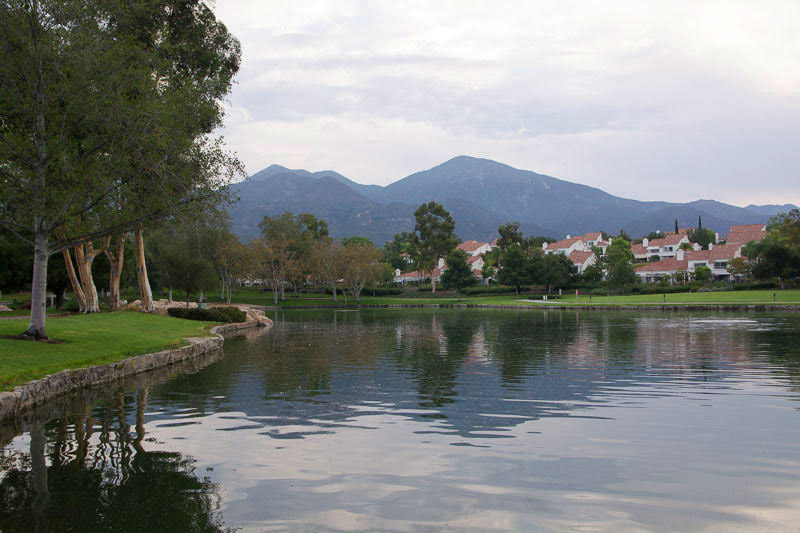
x,y
404,420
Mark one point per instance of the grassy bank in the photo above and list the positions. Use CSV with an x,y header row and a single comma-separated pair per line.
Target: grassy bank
x,y
785,297
88,340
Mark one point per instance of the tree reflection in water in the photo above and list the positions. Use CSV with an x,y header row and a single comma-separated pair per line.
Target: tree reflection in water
x,y
102,477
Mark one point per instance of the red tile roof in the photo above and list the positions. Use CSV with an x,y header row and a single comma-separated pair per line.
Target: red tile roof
x,y
596,236
638,249
471,259
668,264
579,257
717,253
471,246
746,233
493,244
563,244
669,240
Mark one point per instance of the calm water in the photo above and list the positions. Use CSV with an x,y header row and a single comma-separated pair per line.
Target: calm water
x,y
431,420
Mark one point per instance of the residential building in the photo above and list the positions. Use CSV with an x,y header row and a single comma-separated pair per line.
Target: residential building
x,y
564,246
475,248
744,234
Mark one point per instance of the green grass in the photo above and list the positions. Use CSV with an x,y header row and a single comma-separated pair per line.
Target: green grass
x,y
90,340
254,297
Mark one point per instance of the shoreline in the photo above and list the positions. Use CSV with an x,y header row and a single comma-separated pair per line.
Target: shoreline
x,y
551,306
33,393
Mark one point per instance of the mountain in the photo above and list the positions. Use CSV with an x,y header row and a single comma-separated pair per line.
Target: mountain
x,y
481,194
771,209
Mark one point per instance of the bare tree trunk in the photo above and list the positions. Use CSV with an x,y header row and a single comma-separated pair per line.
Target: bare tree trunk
x,y
229,289
170,295
77,290
433,280
335,290
36,327
85,255
283,296
141,274
115,258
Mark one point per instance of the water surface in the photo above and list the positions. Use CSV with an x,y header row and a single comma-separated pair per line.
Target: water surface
x,y
433,419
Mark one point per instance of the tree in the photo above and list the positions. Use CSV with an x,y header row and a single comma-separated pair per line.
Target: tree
x,y
703,237
553,270
393,250
433,237
359,266
618,261
702,273
686,247
356,239
281,235
593,273
516,268
739,267
231,261
458,274
509,234
326,264
101,103
677,228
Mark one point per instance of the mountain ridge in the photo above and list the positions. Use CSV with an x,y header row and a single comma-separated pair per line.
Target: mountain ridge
x,y
481,195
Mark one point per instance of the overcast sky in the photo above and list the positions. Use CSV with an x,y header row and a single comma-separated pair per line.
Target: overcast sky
x,y
648,100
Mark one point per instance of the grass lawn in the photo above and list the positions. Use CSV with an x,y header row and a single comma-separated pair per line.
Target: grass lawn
x,y
90,340
254,297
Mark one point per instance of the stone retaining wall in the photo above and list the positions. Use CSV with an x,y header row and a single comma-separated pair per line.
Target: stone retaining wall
x,y
41,390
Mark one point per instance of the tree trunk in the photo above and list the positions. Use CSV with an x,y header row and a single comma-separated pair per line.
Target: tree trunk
x,y
84,255
77,290
335,290
141,274
433,281
115,258
275,294
170,295
228,287
283,295
36,327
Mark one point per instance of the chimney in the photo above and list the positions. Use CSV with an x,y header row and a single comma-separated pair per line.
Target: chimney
x,y
569,236
710,246
645,242
679,256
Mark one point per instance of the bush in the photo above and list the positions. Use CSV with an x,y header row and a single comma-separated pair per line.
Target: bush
x,y
214,314
380,291
492,289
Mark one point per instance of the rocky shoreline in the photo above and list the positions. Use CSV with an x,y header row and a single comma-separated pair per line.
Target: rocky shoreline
x,y
25,396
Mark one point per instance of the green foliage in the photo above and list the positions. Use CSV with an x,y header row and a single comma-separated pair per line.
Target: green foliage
x,y
212,314
433,235
393,250
703,237
356,239
593,273
509,234
553,270
516,268
618,261
380,291
655,235
702,273
458,274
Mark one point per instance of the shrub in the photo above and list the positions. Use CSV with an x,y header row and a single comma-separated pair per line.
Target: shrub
x,y
381,291
214,314
492,289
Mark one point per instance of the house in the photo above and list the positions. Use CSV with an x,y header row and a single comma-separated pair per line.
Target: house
x,y
666,247
596,240
745,234
475,248
716,258
582,259
668,267
565,246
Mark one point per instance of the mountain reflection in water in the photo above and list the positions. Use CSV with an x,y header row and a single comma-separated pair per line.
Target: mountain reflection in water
x,y
430,418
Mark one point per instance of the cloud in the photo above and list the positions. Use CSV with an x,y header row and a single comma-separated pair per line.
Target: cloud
x,y
649,100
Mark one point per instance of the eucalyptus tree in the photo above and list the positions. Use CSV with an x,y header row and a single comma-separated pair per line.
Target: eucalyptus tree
x,y
105,114
433,237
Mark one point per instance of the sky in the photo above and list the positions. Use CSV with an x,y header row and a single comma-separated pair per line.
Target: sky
x,y
656,100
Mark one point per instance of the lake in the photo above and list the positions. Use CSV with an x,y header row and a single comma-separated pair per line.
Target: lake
x,y
432,419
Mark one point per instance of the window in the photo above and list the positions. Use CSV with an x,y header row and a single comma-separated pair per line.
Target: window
x,y
720,265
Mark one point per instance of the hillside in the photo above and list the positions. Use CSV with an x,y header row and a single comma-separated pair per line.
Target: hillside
x,y
481,194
